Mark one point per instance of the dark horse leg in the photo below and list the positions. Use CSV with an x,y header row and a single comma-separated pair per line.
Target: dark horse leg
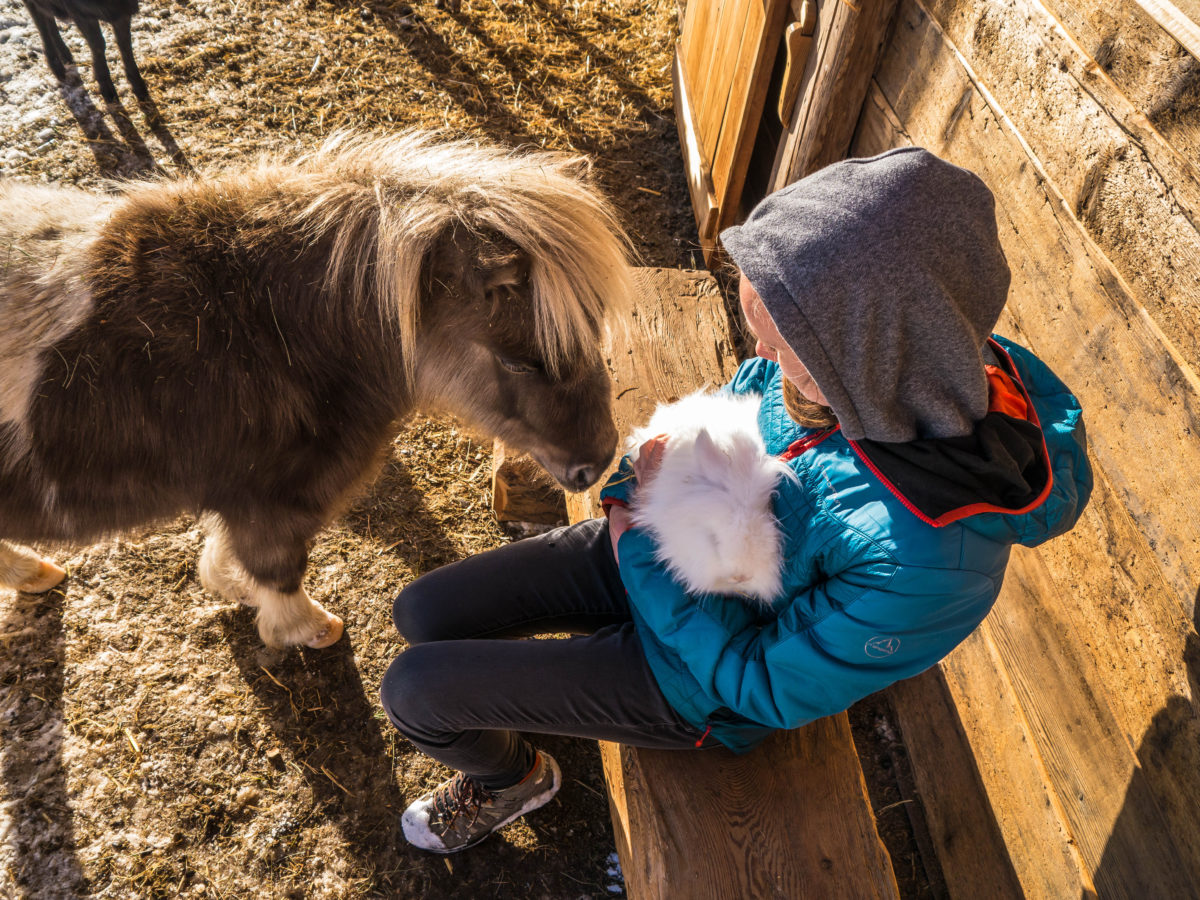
x,y
58,56
259,561
95,41
125,45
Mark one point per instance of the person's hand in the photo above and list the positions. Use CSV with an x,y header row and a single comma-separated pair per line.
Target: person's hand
x,y
645,466
619,521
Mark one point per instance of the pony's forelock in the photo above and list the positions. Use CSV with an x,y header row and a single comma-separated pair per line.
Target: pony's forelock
x,y
414,186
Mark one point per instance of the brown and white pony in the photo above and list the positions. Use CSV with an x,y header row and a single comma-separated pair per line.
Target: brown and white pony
x,y
243,346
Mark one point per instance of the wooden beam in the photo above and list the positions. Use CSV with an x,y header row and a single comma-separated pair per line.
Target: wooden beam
x,y
969,844
1124,50
1129,191
699,176
1091,644
846,47
790,819
1183,26
1068,300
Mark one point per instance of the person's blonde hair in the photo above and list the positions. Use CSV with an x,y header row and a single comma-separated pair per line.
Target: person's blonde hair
x,y
806,412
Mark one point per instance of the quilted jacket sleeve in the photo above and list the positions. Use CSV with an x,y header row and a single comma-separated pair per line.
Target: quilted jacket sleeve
x,y
882,623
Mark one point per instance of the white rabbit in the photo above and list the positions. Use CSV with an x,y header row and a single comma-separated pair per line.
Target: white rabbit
x,y
709,505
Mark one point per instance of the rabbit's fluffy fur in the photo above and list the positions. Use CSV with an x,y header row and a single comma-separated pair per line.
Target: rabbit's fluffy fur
x,y
709,505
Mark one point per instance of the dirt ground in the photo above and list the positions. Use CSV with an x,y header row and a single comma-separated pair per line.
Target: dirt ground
x,y
150,746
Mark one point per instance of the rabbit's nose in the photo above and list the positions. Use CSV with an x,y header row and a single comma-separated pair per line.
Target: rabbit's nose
x,y
740,579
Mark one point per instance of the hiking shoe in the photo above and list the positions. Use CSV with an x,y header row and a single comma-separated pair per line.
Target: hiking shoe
x,y
462,812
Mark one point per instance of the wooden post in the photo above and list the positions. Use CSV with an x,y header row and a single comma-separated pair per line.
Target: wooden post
x,y
848,42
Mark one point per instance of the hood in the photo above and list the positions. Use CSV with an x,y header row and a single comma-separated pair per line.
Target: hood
x,y
885,276
1014,478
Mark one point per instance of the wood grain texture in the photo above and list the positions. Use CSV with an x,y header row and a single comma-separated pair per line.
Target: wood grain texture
x,y
1129,192
695,165
970,847
1181,20
1097,658
1067,300
790,819
1144,63
726,51
1086,756
846,47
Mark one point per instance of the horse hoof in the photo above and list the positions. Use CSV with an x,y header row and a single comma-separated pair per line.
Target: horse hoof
x,y
327,636
48,575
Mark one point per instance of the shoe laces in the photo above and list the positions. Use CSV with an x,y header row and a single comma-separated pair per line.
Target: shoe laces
x,y
463,795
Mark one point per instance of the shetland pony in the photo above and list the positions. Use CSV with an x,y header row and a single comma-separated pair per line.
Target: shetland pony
x,y
244,346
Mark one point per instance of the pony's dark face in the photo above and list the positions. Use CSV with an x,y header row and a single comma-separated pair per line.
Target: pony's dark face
x,y
480,358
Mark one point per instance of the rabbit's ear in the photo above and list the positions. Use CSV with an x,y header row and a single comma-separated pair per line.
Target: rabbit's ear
x,y
708,454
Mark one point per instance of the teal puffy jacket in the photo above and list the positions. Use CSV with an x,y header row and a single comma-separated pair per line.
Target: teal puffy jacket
x,y
876,588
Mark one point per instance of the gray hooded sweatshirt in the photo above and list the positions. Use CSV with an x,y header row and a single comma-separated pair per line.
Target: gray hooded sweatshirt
x,y
885,276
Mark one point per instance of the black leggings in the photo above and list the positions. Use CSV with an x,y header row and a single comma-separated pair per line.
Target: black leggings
x,y
463,688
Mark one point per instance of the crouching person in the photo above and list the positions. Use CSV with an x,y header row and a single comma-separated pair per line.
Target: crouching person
x,y
923,447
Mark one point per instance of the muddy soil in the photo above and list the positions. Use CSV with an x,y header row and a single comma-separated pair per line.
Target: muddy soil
x,y
150,746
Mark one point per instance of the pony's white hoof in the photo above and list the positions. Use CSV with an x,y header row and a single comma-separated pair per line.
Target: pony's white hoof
x,y
327,636
47,576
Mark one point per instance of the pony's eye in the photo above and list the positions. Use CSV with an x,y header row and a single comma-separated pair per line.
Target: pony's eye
x,y
517,367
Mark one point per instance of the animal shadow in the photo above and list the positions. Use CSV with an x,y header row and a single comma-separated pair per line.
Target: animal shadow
x,y
124,153
33,776
316,705
1168,774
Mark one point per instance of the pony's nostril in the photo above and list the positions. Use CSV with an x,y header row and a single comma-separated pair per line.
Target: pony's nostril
x,y
581,477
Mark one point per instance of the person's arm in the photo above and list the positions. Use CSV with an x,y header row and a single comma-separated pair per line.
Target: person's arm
x,y
886,625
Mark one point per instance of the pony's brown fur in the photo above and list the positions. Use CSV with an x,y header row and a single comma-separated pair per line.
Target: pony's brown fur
x,y
243,345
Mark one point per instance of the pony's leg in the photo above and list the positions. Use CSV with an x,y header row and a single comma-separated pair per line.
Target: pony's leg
x,y
263,571
125,45
95,41
58,56
25,570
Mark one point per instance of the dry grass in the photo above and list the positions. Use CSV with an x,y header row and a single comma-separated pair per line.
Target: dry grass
x,y
150,746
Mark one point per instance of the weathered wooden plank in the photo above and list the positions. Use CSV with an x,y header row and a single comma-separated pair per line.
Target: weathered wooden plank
x,y
1132,198
1087,758
1070,306
1158,76
970,847
695,166
790,819
1016,786
726,53
1181,20
846,47
753,80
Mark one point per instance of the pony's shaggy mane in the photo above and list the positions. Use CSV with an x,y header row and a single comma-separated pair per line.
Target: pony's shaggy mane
x,y
383,201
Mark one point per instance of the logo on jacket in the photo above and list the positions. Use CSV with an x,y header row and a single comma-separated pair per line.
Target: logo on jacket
x,y
879,647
